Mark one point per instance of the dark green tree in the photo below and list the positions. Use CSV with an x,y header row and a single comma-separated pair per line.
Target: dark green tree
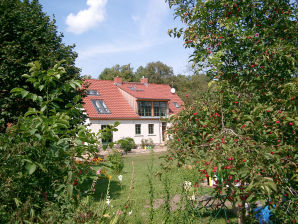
x,y
156,72
123,71
27,34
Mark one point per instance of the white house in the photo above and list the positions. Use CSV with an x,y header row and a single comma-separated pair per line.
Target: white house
x,y
138,106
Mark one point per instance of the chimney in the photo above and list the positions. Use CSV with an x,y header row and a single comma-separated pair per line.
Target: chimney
x,y
144,80
117,80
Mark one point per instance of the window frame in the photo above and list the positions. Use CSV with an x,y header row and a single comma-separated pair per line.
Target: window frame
x,y
159,110
151,129
138,129
89,92
103,109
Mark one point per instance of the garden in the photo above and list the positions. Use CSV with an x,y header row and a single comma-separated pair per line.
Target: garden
x,y
232,151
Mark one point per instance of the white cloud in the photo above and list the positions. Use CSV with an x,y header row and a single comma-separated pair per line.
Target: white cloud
x,y
87,18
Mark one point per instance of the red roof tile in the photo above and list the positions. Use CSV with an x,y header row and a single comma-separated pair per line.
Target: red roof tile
x,y
118,105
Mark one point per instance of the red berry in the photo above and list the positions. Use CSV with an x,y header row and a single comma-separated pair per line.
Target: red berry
x,y
75,183
194,114
186,95
236,102
291,123
277,122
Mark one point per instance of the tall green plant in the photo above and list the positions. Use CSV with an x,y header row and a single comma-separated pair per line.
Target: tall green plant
x,y
38,153
246,133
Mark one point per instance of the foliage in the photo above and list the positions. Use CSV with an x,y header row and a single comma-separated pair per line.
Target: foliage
x,y
106,135
115,158
127,144
124,71
156,72
244,131
27,34
147,143
38,153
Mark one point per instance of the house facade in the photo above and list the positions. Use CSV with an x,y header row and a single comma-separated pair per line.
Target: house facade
x,y
138,106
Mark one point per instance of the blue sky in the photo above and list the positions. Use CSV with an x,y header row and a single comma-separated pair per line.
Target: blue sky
x,y
109,32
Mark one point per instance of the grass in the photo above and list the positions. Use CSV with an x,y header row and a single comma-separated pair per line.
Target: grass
x,y
146,166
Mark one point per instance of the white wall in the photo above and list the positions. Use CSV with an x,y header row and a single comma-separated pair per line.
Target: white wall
x,y
127,129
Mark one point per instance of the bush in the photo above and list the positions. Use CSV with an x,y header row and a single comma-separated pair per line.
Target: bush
x,y
147,143
116,161
127,144
37,154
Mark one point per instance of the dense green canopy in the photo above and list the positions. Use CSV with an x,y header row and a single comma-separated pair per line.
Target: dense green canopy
x,y
27,34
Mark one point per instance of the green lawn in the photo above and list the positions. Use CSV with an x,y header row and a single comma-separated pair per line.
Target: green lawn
x,y
139,197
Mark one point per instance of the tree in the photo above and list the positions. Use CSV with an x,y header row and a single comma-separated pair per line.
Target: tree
x,y
156,72
245,132
124,71
27,34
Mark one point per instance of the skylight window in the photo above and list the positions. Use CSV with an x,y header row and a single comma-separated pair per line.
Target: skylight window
x,y
101,107
135,89
91,92
176,104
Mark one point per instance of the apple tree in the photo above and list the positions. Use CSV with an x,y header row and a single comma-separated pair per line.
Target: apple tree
x,y
244,130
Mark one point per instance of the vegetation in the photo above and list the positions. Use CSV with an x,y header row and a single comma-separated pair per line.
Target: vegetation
x,y
38,153
115,158
127,144
26,35
147,143
244,131
131,197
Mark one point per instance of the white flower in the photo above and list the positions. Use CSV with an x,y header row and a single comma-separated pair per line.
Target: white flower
x,y
120,178
187,185
129,213
193,197
108,202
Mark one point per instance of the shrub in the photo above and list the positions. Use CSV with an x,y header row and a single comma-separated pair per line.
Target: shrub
x,y
116,160
37,154
127,144
147,143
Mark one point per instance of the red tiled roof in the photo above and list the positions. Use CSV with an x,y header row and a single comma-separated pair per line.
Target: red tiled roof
x,y
118,105
113,99
150,91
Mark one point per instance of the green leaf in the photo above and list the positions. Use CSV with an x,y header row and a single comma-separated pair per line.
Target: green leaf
x,y
17,201
69,190
31,167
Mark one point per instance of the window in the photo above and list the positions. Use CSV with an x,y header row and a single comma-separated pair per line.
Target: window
x,y
107,135
151,128
176,104
101,107
92,92
138,129
145,108
160,108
